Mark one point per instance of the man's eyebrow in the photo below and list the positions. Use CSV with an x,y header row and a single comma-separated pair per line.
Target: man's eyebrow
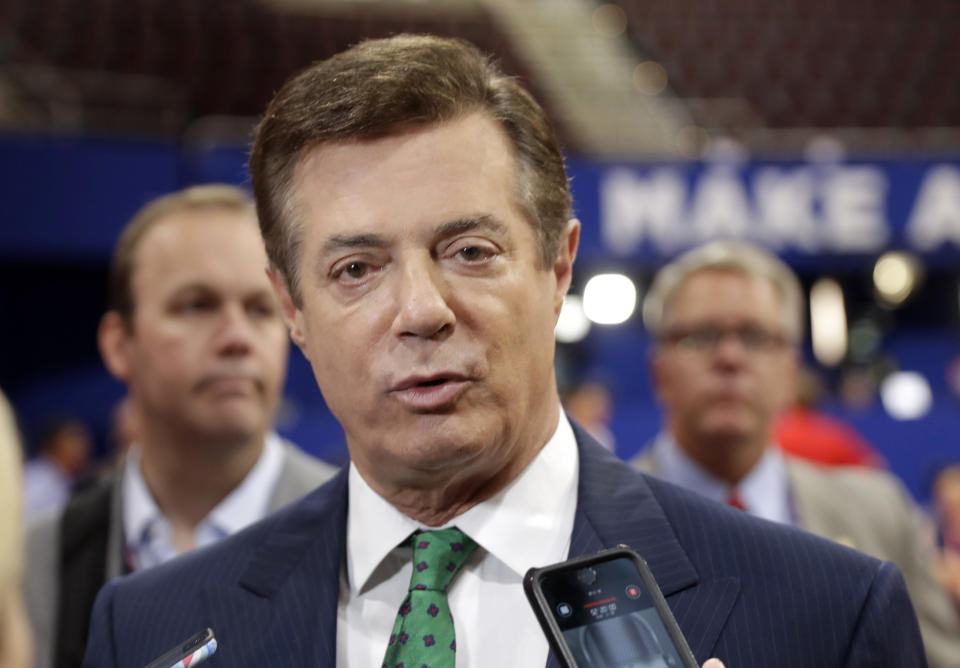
x,y
206,290
192,287
484,222
342,241
451,228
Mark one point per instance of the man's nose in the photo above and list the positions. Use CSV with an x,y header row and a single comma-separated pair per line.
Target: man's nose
x,y
234,334
730,349
422,297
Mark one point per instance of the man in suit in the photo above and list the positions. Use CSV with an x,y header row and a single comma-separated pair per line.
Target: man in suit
x,y
416,213
195,333
727,318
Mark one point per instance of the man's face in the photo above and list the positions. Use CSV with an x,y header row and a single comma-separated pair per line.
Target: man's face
x,y
946,497
207,349
725,369
425,314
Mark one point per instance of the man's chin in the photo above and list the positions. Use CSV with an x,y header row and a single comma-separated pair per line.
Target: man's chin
x,y
728,433
227,429
441,452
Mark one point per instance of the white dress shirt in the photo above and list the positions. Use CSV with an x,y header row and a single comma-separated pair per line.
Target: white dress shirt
x,y
147,533
764,491
527,524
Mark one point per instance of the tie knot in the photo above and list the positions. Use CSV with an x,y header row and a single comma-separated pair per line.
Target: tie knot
x,y
437,556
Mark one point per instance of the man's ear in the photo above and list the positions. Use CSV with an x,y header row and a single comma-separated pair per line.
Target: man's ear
x,y
113,336
563,264
292,316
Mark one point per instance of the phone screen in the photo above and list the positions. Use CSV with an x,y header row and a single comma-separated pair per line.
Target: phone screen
x,y
608,618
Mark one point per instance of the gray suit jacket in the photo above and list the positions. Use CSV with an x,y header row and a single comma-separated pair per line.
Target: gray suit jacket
x,y
102,513
870,511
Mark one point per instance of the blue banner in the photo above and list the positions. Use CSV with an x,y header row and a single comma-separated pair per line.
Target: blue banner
x,y
808,212
70,197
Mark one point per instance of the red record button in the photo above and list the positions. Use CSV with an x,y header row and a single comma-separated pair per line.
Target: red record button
x,y
633,591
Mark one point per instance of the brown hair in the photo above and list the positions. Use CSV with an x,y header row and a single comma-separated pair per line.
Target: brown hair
x,y
212,196
383,86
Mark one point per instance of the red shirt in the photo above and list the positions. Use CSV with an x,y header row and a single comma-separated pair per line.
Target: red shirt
x,y
820,438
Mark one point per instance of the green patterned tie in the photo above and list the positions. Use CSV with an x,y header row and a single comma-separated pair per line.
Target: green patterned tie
x,y
423,636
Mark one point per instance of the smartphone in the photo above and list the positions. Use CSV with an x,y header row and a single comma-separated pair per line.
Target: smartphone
x,y
606,611
190,652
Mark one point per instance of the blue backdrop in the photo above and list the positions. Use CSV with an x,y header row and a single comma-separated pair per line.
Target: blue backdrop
x,y
65,200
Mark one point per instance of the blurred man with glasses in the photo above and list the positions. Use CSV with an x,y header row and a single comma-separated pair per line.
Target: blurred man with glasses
x,y
727,319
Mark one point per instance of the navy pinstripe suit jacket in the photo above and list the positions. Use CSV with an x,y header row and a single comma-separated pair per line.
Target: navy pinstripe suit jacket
x,y
755,594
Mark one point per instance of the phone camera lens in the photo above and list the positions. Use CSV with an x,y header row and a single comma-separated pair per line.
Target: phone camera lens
x,y
586,577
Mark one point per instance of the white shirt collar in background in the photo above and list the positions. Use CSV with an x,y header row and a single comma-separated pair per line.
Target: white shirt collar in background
x,y
147,532
764,491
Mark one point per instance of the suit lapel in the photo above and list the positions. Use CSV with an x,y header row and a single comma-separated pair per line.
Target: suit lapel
x,y
283,608
617,506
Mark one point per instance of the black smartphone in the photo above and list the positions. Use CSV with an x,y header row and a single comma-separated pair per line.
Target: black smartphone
x,y
606,611
190,652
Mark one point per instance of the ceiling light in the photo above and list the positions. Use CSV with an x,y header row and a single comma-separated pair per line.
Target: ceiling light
x,y
609,20
650,77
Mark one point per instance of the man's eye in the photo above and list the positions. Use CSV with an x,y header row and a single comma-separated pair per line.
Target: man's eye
x,y
195,306
704,337
474,253
356,269
354,272
754,338
261,310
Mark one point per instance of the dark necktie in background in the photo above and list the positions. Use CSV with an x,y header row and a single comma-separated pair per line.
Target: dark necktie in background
x,y
733,499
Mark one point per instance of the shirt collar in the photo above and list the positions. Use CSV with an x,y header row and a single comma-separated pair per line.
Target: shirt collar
x,y
248,502
764,490
526,524
139,508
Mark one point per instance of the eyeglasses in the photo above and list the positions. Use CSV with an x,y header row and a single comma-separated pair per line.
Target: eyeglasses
x,y
706,338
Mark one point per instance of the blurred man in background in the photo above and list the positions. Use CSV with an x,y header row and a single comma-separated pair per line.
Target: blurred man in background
x,y
590,403
65,447
728,318
195,333
946,504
